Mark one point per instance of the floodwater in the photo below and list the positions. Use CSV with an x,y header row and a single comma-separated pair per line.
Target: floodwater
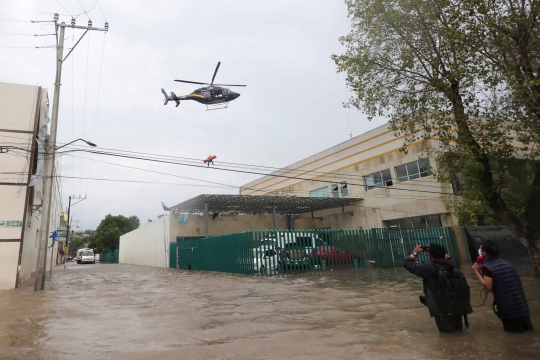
x,y
106,311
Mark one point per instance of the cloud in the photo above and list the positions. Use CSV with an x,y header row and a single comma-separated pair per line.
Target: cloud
x,y
291,108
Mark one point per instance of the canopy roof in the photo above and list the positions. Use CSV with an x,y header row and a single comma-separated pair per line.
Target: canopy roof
x,y
247,204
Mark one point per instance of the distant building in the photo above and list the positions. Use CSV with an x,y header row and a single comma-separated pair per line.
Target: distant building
x,y
398,189
23,116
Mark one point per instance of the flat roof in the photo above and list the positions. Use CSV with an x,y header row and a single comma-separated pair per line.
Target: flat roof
x,y
256,204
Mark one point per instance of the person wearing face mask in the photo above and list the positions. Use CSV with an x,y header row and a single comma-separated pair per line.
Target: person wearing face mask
x,y
447,307
501,278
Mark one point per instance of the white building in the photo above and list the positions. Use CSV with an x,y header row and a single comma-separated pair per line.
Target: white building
x,y
23,116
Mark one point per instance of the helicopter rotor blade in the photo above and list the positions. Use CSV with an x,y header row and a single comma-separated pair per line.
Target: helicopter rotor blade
x,y
215,72
227,85
192,82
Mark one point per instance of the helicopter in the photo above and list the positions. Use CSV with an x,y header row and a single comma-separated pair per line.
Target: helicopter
x,y
213,94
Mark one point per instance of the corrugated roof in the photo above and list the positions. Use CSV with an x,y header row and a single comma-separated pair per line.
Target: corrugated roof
x,y
247,204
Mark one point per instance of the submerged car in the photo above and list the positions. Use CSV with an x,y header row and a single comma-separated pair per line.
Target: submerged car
x,y
334,256
297,249
266,259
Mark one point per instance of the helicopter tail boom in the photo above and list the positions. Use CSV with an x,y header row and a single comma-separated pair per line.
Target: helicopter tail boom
x,y
168,98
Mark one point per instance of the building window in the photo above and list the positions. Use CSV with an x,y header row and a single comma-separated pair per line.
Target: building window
x,y
417,222
344,189
322,192
378,179
335,190
413,170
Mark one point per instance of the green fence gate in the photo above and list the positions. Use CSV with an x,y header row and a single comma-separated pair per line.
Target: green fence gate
x,y
274,252
109,257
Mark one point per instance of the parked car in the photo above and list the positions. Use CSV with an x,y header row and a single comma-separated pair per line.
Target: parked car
x,y
266,259
296,249
334,256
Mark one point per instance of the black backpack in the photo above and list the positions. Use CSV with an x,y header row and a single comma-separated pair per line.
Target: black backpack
x,y
454,292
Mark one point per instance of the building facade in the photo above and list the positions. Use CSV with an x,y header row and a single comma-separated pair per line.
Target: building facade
x,y
23,127
398,189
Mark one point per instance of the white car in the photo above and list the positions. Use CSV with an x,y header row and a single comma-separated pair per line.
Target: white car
x,y
266,259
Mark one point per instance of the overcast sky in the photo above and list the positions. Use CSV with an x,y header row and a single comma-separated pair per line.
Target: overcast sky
x,y
291,108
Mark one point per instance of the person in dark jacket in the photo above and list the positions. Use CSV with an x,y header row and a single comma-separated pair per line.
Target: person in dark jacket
x,y
434,300
500,277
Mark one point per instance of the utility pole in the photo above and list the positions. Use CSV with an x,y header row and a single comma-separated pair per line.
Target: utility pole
x,y
68,226
50,145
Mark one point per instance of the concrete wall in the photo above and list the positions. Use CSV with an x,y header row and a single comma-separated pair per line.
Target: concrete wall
x,y
23,110
145,245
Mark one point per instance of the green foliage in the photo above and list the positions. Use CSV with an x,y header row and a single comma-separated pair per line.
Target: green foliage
x,y
107,236
454,71
75,243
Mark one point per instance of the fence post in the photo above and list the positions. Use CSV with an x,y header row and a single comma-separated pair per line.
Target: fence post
x,y
206,219
376,246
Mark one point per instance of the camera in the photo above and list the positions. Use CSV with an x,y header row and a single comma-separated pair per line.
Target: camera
x,y
424,247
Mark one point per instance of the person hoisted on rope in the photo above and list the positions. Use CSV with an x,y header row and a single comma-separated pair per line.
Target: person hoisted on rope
x,y
210,159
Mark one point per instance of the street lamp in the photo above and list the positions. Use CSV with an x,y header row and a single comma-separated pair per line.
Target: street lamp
x,y
88,142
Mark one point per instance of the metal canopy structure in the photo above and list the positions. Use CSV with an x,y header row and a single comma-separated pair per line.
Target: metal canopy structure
x,y
247,204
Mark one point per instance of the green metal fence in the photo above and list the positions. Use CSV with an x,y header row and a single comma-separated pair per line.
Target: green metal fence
x,y
109,257
274,252
172,255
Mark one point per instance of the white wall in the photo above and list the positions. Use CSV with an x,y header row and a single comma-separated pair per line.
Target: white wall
x,y
19,111
147,245
9,252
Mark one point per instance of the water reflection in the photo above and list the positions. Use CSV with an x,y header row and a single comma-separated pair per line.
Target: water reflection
x,y
100,311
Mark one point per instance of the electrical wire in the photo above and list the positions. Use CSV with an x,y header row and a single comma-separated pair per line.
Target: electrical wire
x,y
237,170
97,105
17,34
250,166
15,20
63,8
240,187
233,170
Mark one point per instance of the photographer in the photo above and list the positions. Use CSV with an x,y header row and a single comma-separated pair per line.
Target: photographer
x,y
447,304
498,276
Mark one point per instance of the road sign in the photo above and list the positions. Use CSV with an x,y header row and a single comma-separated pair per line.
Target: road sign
x,y
11,223
62,231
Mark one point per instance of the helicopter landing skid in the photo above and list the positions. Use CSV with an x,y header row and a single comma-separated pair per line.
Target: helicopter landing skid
x,y
222,105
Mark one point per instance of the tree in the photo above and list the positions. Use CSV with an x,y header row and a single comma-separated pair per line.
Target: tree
x,y
107,236
75,243
414,61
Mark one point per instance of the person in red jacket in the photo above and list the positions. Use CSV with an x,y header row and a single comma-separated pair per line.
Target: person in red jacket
x,y
210,159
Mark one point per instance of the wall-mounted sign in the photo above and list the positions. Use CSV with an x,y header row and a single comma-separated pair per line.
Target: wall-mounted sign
x,y
11,223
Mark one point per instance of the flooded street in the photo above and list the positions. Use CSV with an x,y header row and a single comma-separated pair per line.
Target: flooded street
x,y
121,311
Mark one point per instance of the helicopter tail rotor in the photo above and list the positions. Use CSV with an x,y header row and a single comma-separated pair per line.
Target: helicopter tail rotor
x,y
168,98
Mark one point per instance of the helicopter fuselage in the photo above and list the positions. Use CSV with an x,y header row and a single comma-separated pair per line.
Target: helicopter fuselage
x,y
209,96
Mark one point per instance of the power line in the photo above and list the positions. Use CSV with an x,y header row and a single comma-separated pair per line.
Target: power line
x,y
15,20
18,34
237,170
241,171
248,166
